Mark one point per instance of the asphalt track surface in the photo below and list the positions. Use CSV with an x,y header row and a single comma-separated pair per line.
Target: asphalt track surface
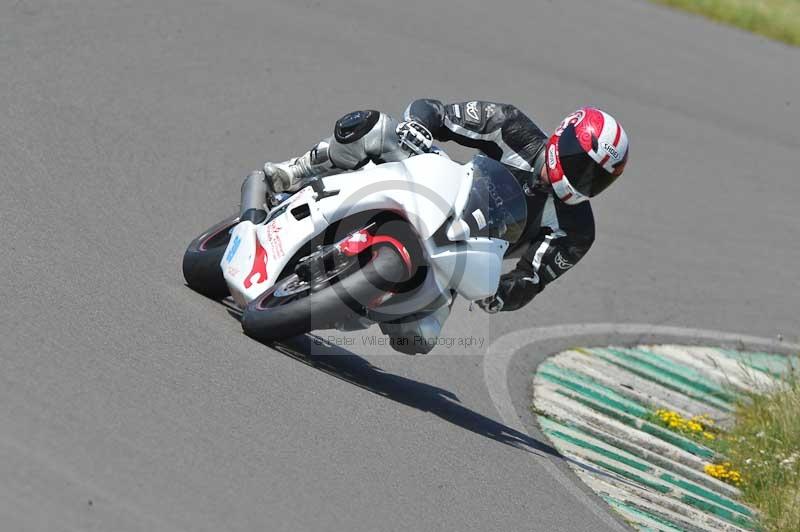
x,y
128,402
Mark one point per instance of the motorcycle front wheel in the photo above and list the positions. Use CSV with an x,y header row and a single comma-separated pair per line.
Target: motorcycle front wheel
x,y
201,260
292,307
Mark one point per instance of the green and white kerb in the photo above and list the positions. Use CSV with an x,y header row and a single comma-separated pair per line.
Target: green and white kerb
x,y
628,421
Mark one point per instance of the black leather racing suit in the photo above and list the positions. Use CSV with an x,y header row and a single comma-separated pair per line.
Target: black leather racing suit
x,y
558,235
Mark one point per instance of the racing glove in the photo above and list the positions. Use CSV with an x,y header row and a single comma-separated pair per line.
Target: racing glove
x,y
414,137
516,289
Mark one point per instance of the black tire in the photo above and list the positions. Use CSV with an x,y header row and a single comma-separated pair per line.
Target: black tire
x,y
201,260
269,318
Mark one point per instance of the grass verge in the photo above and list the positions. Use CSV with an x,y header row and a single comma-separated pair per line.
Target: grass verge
x,y
761,453
777,19
764,445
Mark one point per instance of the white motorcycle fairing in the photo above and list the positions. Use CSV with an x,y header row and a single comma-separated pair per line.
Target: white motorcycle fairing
x,y
427,190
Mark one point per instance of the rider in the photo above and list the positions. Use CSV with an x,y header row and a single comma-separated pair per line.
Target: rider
x,y
585,154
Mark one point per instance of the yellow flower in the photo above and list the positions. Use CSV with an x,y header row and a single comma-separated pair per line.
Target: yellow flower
x,y
700,424
724,472
694,426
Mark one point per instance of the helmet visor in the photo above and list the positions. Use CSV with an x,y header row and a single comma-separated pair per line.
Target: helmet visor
x,y
584,173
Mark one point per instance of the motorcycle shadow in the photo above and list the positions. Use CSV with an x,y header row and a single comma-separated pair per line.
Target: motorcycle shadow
x,y
343,364
347,366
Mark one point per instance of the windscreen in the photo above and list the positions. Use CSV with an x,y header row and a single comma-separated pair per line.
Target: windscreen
x,y
496,206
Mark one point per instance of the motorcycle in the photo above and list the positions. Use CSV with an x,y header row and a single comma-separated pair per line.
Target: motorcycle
x,y
374,245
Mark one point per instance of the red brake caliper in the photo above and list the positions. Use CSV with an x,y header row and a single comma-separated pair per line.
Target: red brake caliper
x,y
362,240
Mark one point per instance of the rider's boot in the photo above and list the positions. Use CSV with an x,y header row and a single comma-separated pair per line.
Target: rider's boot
x,y
289,176
417,333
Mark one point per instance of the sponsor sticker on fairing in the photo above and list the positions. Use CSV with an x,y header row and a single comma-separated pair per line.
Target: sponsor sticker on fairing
x,y
234,248
479,218
274,239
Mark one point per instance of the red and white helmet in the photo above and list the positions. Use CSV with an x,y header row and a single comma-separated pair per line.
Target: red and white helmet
x,y
586,154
